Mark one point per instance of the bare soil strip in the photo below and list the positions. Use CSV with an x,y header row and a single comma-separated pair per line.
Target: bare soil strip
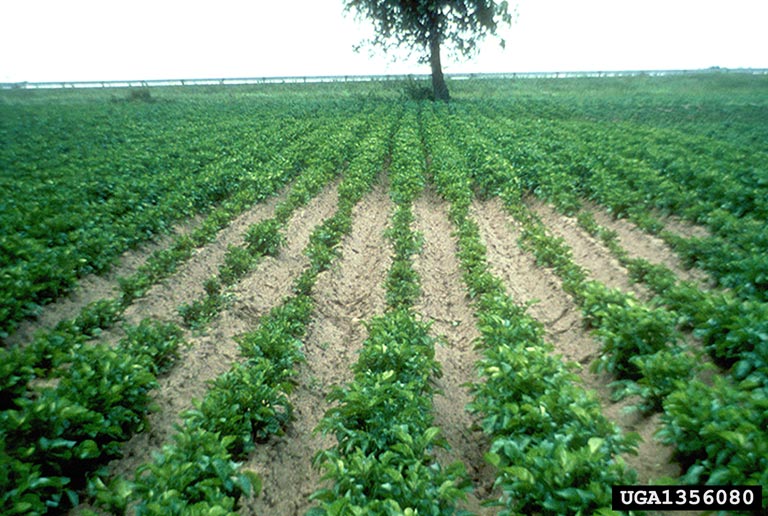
x,y
588,252
644,245
186,284
445,304
564,325
94,287
214,352
351,292
683,228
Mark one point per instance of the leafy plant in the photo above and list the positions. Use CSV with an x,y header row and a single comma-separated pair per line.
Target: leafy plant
x,y
719,433
264,238
626,328
660,374
237,262
245,403
155,342
194,475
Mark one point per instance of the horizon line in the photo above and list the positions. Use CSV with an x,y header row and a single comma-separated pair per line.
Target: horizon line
x,y
293,79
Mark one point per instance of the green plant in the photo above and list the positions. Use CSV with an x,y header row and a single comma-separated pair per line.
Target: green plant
x,y
193,475
141,94
719,433
659,375
626,328
200,312
237,263
264,238
246,403
155,342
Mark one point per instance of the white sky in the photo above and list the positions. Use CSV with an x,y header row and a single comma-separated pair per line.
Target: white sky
x,y
65,40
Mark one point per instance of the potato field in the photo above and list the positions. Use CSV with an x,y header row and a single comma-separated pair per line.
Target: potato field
x,y
333,299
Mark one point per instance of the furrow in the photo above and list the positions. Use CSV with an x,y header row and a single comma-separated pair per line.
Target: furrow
x,y
588,252
444,303
212,353
566,330
94,287
641,244
344,296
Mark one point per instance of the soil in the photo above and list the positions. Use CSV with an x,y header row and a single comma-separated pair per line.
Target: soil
x,y
352,292
445,304
94,287
212,353
562,319
640,244
345,296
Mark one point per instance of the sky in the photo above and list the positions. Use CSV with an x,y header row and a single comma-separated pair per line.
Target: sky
x,y
80,40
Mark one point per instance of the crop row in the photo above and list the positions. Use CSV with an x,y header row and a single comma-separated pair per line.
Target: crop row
x,y
731,323
264,238
713,427
719,429
68,417
634,171
51,353
641,348
134,171
553,450
247,404
382,462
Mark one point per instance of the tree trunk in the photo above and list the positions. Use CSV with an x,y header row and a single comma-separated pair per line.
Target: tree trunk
x,y
439,87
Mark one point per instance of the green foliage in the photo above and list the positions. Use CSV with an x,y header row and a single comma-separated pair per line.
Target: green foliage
x,y
56,433
243,406
554,450
626,328
200,312
200,160
238,261
323,241
264,238
383,462
382,423
141,94
16,370
157,343
246,403
94,317
403,479
194,475
659,375
641,148
463,23
550,250
402,284
719,432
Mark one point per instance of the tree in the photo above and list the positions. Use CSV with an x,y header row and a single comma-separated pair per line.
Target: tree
x,y
424,25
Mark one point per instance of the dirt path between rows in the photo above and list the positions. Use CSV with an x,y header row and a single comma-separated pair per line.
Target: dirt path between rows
x,y
351,292
588,252
213,352
640,244
95,287
444,303
564,325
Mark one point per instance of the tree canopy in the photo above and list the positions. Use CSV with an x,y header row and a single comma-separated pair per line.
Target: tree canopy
x,y
425,25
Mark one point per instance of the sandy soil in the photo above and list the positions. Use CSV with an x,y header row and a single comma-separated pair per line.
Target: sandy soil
x,y
352,292
640,244
562,318
95,287
445,304
349,293
213,352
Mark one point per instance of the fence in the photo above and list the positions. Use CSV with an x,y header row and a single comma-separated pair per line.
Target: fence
x,y
363,78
